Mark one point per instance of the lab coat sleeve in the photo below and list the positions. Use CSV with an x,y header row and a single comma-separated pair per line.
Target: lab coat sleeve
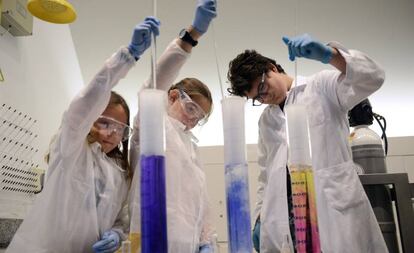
x,y
362,78
121,225
262,179
92,100
208,231
169,66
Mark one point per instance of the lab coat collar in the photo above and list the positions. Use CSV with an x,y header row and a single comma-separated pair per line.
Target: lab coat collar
x,y
97,149
298,85
179,125
176,123
299,81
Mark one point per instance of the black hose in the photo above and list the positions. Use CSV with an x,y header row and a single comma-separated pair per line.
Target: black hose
x,y
383,127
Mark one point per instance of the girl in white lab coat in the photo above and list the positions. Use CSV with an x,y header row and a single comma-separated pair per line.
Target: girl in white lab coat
x,y
189,225
79,209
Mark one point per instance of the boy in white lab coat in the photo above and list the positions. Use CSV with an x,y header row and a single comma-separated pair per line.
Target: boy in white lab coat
x,y
346,219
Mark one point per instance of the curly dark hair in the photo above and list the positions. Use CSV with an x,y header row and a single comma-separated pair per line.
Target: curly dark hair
x,y
246,68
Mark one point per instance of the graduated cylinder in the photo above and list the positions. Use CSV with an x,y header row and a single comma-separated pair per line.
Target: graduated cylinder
x,y
236,176
153,195
301,174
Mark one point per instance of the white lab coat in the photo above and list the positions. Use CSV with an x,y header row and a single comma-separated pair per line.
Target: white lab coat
x,y
188,211
346,219
86,189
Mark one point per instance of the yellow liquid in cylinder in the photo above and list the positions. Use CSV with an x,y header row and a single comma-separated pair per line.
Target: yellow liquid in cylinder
x,y
135,239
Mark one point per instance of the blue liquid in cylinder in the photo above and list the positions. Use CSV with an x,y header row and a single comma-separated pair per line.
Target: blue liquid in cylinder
x,y
238,209
153,205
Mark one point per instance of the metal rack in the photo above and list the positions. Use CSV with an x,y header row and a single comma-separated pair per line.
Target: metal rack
x,y
401,192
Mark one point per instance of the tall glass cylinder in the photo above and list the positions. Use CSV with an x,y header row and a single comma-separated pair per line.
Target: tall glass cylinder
x,y
301,173
236,176
153,195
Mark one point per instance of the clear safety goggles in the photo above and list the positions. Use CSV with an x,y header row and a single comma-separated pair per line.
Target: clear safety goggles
x,y
113,126
192,109
261,92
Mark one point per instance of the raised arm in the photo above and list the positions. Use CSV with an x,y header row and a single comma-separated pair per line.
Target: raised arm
x,y
305,46
92,100
359,75
179,50
205,12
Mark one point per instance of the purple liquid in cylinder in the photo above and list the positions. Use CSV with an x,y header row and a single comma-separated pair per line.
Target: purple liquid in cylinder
x,y
153,205
238,209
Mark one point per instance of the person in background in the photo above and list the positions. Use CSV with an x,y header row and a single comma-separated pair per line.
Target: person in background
x,y
89,174
346,219
189,225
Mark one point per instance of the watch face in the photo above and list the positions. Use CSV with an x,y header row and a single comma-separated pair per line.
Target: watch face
x,y
185,36
182,33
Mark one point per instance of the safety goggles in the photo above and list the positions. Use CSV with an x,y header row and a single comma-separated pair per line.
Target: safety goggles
x,y
192,109
261,93
113,126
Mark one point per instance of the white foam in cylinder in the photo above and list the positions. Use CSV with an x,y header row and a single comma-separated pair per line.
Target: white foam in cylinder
x,y
233,130
298,134
151,120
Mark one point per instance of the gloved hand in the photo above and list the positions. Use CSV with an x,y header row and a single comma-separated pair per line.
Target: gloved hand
x,y
141,37
205,12
109,243
305,46
206,248
256,236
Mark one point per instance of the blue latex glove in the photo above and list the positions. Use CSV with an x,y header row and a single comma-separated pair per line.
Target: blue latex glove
x,y
141,37
256,236
206,248
305,46
205,12
109,243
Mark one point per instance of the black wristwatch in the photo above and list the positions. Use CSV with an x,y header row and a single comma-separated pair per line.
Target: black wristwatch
x,y
185,36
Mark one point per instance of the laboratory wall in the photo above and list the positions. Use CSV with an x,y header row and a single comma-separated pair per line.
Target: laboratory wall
x,y
39,76
400,159
381,28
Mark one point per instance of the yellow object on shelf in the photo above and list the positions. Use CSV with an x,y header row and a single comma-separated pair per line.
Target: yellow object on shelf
x,y
54,11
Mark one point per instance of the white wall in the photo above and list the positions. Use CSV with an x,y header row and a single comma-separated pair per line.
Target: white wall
x,y
41,74
400,160
400,157
213,160
381,28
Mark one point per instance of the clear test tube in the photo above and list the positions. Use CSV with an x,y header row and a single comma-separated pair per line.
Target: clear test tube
x,y
236,176
152,148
